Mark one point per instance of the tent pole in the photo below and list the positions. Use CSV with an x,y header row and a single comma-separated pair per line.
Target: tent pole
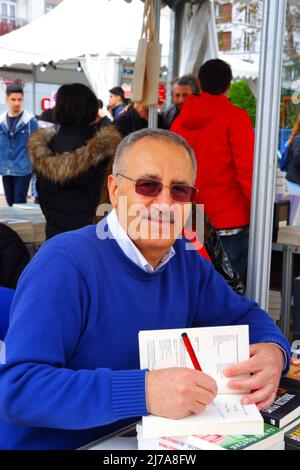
x,y
152,117
34,90
267,126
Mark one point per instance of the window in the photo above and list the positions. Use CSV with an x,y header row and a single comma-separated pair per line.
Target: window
x,y
249,15
224,12
248,41
224,39
9,8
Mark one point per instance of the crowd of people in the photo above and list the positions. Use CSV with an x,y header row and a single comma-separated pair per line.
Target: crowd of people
x,y
71,369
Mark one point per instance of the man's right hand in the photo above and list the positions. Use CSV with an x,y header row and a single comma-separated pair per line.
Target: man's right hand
x,y
178,392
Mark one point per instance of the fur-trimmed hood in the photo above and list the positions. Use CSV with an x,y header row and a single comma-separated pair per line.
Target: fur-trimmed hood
x,y
68,165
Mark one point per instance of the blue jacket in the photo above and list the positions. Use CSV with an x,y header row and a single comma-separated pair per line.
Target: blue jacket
x,y
14,159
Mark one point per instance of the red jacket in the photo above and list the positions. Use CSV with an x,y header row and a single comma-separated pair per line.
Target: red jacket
x,y
222,137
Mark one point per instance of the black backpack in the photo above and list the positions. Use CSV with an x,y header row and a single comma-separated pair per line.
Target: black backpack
x,y
14,256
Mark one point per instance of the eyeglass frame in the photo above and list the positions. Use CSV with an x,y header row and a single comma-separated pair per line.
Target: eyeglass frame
x,y
162,186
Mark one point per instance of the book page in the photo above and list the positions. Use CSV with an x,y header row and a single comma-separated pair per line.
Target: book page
x,y
226,415
216,348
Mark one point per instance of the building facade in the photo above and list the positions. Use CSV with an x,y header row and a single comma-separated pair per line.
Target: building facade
x,y
239,24
239,27
17,13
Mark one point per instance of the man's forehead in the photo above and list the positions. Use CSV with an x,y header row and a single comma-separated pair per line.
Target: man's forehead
x,y
153,146
16,96
151,153
182,89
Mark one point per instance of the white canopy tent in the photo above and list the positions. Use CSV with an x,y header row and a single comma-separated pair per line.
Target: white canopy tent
x,y
240,68
74,28
94,34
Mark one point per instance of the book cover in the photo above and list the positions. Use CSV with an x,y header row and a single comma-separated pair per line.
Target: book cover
x,y
272,435
292,438
292,379
284,409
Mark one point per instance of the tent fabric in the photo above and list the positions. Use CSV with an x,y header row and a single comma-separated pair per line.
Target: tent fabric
x,y
240,68
72,30
101,73
195,34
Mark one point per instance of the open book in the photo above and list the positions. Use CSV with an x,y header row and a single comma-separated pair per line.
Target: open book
x,y
216,348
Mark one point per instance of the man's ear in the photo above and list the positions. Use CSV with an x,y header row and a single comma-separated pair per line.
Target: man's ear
x,y
113,190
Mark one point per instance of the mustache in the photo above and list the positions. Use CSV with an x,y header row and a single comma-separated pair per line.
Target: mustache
x,y
158,216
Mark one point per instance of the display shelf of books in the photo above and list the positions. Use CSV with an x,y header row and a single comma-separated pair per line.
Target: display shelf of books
x,y
274,307
27,220
281,185
289,235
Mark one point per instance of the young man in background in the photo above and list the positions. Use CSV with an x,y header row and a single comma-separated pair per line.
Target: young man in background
x,y
15,127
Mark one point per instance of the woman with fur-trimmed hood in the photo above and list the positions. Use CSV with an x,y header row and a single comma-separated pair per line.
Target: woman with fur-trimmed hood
x,y
72,164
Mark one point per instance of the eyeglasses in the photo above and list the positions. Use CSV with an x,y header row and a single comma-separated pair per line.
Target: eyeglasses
x,y
152,188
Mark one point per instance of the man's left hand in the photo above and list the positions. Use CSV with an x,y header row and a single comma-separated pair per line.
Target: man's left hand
x,y
265,364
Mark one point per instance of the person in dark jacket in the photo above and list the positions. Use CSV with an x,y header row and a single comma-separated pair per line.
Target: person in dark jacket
x,y
182,87
116,101
135,119
293,168
14,257
72,164
102,119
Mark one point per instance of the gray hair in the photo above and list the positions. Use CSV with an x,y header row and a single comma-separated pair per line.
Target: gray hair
x,y
158,134
189,80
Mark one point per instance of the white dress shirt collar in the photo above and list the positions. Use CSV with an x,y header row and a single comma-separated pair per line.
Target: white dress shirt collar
x,y
129,248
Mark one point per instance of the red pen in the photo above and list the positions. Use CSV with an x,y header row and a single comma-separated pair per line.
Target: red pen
x,y
190,351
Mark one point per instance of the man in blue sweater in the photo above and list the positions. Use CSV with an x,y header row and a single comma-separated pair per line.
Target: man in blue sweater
x,y
71,368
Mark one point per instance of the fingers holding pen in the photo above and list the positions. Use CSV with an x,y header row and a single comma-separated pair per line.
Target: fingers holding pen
x,y
178,392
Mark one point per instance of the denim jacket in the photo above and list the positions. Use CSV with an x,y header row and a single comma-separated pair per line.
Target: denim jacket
x,y
14,159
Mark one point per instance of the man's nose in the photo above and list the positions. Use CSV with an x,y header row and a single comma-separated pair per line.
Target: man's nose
x,y
164,197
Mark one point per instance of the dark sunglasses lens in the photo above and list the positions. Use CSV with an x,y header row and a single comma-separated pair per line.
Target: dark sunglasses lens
x,y
148,187
183,193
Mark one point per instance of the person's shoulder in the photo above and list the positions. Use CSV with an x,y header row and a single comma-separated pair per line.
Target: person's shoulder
x,y
237,112
76,244
3,117
193,100
169,110
28,117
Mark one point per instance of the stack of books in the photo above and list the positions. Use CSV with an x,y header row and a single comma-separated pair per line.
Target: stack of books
x,y
21,226
271,439
284,413
29,206
292,379
289,235
281,185
25,219
292,438
274,308
279,419
38,227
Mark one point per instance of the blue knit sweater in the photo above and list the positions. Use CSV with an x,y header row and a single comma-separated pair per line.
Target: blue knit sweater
x,y
72,361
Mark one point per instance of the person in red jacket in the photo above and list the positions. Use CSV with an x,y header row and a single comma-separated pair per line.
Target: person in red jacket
x,y
222,137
